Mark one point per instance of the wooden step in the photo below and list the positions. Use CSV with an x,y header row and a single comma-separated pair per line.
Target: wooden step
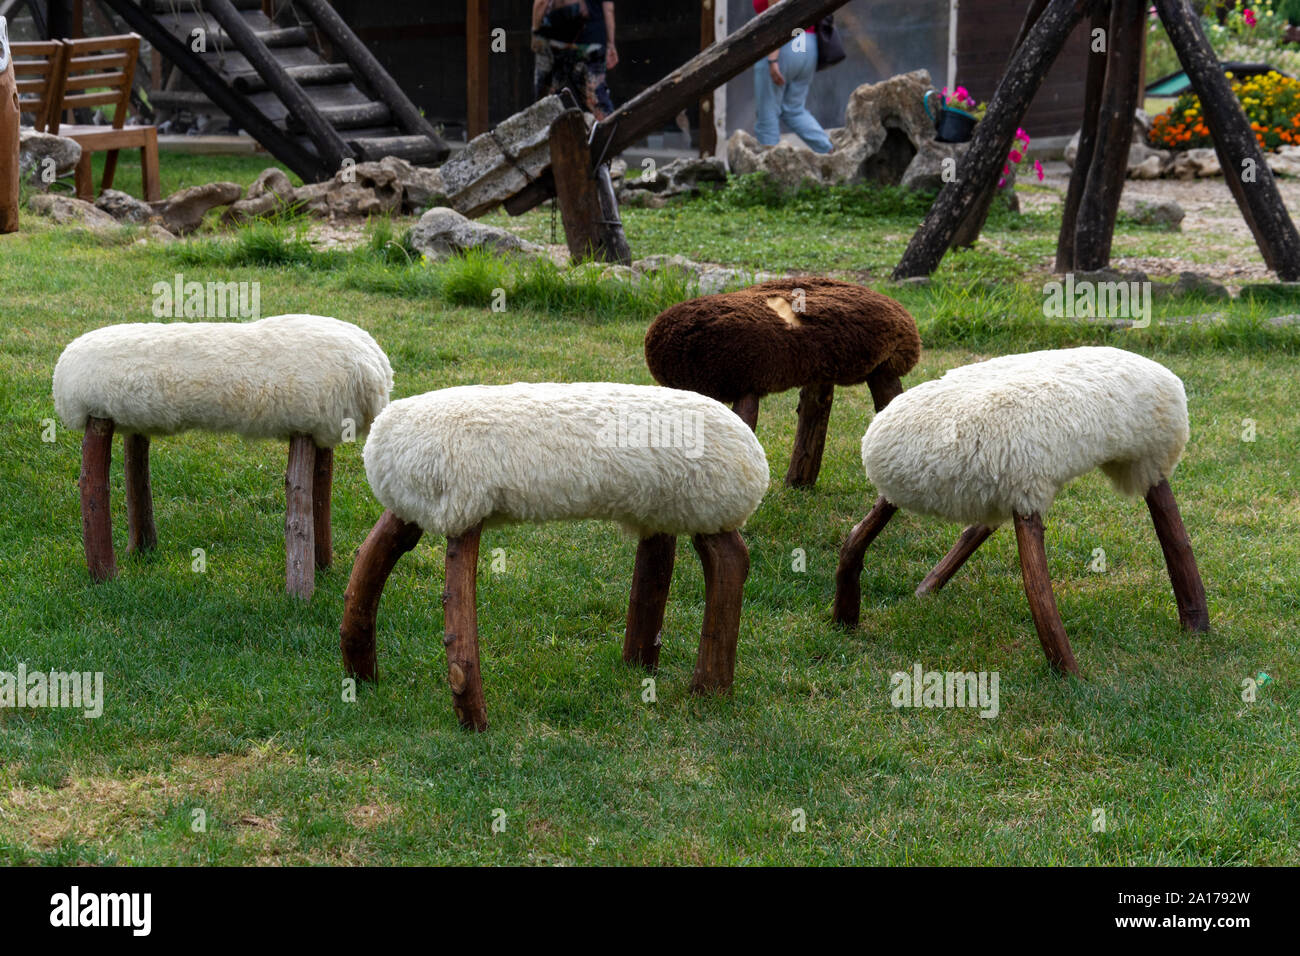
x,y
195,6
418,150
191,100
314,75
346,117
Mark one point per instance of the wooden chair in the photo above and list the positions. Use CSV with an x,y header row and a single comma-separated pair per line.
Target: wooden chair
x,y
97,71
37,67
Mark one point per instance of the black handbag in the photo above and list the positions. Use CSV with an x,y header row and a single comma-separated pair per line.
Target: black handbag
x,y
564,22
829,48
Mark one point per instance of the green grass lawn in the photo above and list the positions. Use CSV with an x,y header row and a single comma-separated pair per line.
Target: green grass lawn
x,y
223,695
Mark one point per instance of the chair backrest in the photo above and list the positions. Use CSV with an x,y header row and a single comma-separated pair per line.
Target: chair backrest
x,y
38,68
97,71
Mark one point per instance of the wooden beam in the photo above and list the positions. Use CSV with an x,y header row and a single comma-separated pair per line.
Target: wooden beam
x,y
299,519
460,630
966,545
1093,85
477,69
592,227
651,577
1189,592
96,520
1108,165
810,435
708,132
141,535
848,574
371,72
389,539
1234,141
725,559
1038,591
329,144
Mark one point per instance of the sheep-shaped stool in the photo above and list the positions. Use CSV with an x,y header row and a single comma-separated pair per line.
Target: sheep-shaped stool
x,y
660,462
998,440
312,380
804,332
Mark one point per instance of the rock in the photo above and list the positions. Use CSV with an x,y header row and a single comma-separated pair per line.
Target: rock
x,y
1285,162
271,181
929,166
1195,284
1154,212
1144,161
641,197
182,212
67,210
651,265
678,178
1284,321
1206,162
617,172
443,232
244,210
159,234
885,127
497,164
124,207
35,147
714,280
349,200
1149,168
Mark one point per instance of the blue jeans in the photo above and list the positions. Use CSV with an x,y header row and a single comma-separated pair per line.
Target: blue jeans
x,y
775,104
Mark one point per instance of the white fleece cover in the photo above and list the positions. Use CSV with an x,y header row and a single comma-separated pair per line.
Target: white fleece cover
x,y
1007,435
656,460
279,376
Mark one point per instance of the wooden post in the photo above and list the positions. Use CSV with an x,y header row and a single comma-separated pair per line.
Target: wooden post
x,y
1038,589
848,575
1189,592
810,435
389,539
321,493
1108,164
96,521
1096,79
461,630
651,578
141,535
746,408
992,140
708,132
477,72
885,387
299,524
10,120
591,225
966,545
726,565
1234,141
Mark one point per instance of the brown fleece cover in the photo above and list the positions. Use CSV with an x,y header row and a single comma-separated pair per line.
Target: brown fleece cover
x,y
735,343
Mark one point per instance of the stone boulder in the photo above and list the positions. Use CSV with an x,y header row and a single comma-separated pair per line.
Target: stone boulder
x,y
34,148
67,210
182,212
1144,161
678,178
124,207
443,232
1154,212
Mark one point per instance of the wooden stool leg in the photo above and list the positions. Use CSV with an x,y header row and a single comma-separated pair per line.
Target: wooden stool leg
x,y
321,488
110,169
966,545
651,578
96,521
85,181
141,535
726,565
299,524
1189,592
389,539
1038,589
461,630
848,575
10,125
747,408
149,182
810,435
885,387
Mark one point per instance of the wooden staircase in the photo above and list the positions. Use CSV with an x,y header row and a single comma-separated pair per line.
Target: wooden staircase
x,y
310,114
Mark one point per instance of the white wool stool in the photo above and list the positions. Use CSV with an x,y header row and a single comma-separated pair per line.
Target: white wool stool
x,y
658,461
999,439
305,378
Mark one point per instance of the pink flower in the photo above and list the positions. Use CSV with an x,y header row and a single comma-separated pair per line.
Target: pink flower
x,y
1022,136
1016,156
1038,168
1249,16
1002,182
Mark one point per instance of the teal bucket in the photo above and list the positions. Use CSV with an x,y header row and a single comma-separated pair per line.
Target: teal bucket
x,y
952,125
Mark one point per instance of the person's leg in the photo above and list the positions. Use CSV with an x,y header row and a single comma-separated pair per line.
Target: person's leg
x,y
598,99
799,68
767,106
